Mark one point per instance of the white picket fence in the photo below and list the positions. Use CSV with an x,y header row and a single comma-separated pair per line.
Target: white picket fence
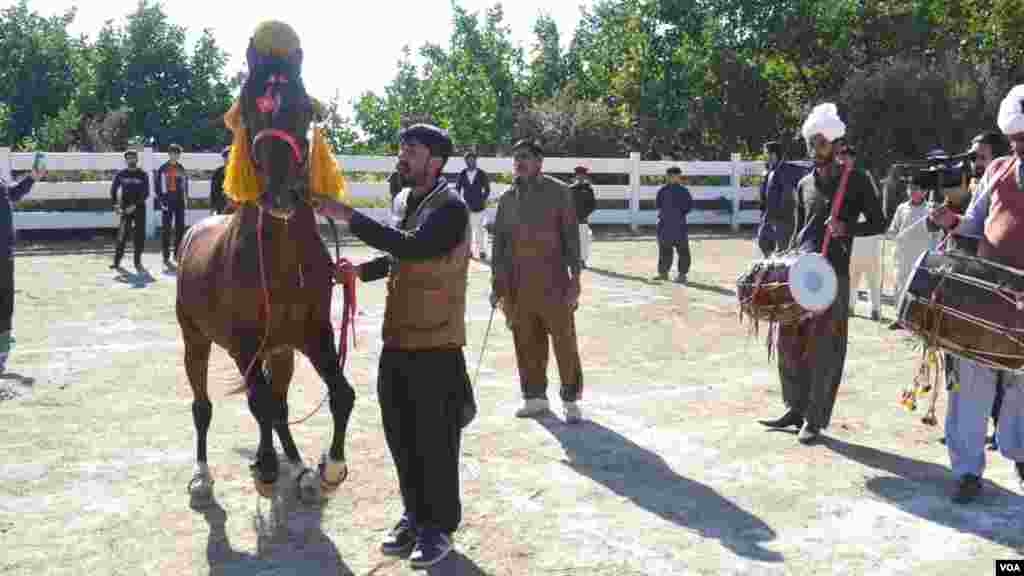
x,y
634,192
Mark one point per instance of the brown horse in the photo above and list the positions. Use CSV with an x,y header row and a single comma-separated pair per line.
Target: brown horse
x,y
258,283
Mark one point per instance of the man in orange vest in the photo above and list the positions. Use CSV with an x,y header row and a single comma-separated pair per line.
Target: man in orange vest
x,y
171,183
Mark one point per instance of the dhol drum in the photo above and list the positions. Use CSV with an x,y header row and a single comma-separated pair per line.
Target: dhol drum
x,y
787,286
968,306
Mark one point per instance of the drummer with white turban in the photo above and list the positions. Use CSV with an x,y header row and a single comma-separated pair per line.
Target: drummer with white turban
x,y
812,354
996,218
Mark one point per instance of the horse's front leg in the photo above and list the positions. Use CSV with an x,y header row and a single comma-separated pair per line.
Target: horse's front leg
x,y
266,411
324,357
280,369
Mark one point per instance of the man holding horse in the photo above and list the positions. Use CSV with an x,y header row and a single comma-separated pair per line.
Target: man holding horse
x,y
423,386
812,352
995,217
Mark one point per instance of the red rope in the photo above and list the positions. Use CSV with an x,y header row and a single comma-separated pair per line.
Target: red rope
x,y
266,305
347,272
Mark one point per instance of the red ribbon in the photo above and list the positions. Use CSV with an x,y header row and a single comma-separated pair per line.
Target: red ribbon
x,y
837,203
347,273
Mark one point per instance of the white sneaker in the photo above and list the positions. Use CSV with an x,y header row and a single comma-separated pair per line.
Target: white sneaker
x,y
573,414
532,407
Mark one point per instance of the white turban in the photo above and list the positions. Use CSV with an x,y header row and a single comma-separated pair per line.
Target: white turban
x,y
1011,111
824,120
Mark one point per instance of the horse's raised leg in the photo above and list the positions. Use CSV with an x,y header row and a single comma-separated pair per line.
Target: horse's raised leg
x,y
324,357
266,411
280,369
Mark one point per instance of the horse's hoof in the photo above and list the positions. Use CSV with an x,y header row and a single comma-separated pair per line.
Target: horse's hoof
x,y
264,488
332,474
310,491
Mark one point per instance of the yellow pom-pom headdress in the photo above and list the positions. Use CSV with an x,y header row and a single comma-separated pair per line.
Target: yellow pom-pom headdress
x,y
242,182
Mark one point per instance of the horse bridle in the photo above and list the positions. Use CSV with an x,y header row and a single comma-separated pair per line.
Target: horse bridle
x,y
270,102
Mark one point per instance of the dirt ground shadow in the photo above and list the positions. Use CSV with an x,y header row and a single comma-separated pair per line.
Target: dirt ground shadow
x,y
924,490
644,477
290,537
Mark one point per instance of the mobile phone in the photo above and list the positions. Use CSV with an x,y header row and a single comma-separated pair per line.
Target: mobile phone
x,y
39,162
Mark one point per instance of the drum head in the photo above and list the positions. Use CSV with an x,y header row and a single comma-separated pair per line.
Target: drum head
x,y
813,282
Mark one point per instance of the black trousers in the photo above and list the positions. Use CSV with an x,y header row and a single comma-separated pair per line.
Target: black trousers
x,y
132,225
177,214
423,398
6,292
666,251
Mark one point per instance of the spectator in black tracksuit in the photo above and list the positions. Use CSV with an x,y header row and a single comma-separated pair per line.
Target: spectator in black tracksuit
x,y
134,186
9,194
171,184
475,187
218,201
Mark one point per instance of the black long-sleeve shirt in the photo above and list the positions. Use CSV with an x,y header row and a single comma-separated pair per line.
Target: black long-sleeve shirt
x,y
814,195
442,231
9,194
133,184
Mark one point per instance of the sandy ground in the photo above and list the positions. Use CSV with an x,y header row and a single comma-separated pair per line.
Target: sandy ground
x,y
670,474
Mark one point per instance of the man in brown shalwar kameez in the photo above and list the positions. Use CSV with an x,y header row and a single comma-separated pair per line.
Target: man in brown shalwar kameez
x,y
812,354
536,279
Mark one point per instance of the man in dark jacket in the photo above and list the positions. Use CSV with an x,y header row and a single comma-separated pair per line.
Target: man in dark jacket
x,y
218,201
134,186
583,196
475,186
422,384
9,194
171,184
778,204
674,202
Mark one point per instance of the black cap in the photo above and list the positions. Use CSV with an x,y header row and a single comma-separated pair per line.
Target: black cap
x,y
532,145
174,148
128,153
580,170
431,136
673,170
470,154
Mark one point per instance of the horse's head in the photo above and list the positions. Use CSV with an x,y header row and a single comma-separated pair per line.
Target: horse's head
x,y
277,114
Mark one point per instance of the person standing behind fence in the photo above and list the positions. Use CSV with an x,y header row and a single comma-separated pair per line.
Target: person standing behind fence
x,y
219,203
475,187
171,184
134,186
583,196
9,194
778,201
673,203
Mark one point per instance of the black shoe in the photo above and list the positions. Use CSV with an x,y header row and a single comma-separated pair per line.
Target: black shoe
x,y
400,540
431,547
790,418
968,489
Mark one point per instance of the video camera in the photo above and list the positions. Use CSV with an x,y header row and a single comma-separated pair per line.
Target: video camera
x,y
943,171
